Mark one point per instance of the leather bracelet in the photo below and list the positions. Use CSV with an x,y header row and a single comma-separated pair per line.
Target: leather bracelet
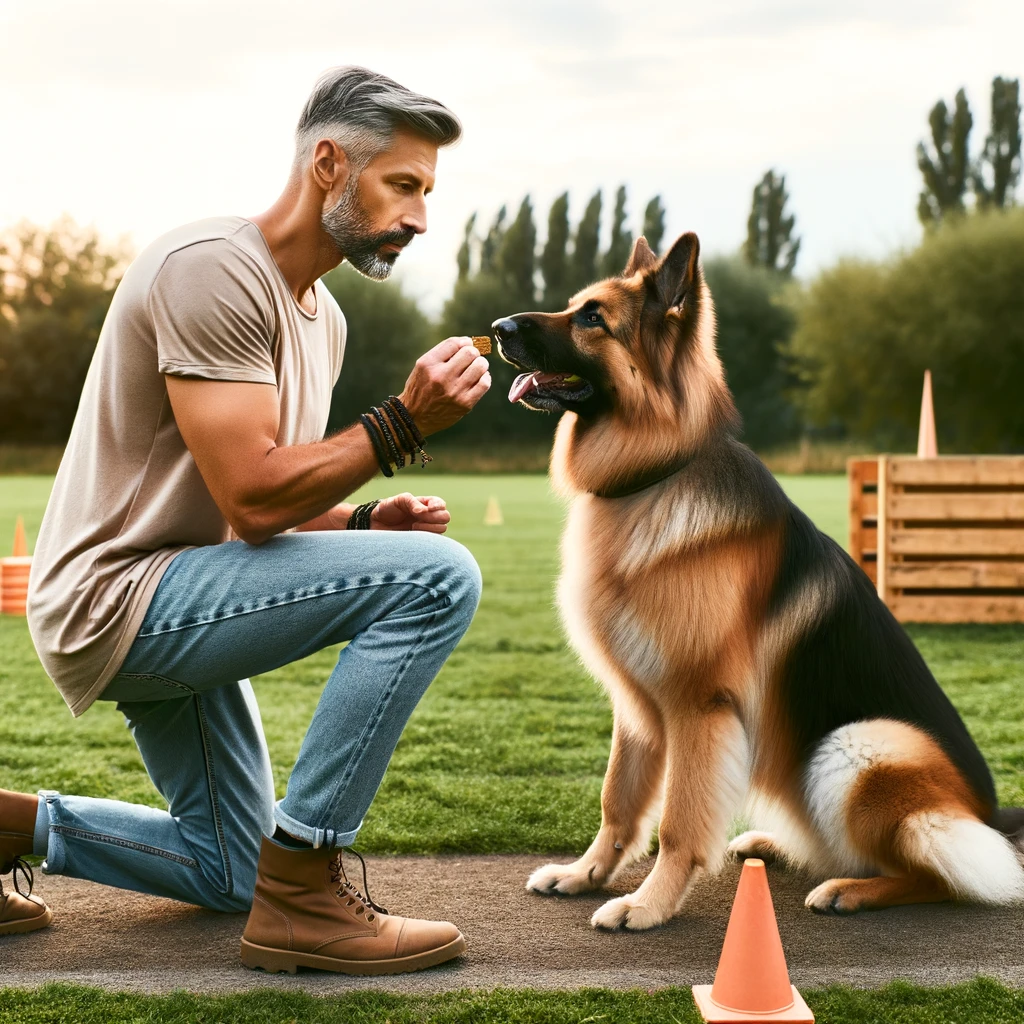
x,y
389,438
395,404
360,518
405,439
378,445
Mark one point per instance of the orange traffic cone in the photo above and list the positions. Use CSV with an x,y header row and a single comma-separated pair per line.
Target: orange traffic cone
x,y
927,444
752,982
14,572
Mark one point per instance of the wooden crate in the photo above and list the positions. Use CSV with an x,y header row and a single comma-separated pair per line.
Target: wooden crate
x,y
947,535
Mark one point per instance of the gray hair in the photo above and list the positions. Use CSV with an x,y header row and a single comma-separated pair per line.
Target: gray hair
x,y
361,110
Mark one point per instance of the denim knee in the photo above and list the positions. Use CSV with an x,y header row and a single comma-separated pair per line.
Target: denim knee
x,y
463,581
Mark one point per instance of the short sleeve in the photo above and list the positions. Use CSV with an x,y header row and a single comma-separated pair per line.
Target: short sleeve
x,y
213,315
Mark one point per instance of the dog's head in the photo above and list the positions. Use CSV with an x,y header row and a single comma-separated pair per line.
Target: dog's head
x,y
629,352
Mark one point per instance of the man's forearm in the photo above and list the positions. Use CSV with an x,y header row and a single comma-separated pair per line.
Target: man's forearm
x,y
335,518
300,483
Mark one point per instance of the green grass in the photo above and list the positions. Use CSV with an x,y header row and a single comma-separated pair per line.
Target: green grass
x,y
981,1001
507,750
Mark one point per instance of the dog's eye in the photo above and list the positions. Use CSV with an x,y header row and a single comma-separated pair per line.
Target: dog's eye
x,y
594,318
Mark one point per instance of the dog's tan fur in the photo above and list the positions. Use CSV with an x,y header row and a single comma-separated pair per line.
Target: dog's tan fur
x,y
666,595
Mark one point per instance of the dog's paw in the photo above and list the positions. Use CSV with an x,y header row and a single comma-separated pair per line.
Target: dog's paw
x,y
755,844
827,898
626,912
561,878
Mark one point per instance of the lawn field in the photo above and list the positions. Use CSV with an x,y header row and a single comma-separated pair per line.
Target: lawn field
x,y
507,750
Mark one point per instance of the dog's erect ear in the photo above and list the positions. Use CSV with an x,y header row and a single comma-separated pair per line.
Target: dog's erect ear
x,y
674,275
641,258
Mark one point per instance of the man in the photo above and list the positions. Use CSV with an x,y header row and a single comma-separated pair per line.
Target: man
x,y
194,538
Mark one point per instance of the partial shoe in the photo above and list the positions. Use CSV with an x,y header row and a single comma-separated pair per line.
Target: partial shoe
x,y
306,913
20,911
17,826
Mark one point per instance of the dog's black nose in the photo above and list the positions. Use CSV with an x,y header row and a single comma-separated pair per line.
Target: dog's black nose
x,y
503,328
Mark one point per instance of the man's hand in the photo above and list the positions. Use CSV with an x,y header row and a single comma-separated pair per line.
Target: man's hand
x,y
446,382
407,512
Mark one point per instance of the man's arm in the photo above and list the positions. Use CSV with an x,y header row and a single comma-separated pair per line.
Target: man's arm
x,y
230,428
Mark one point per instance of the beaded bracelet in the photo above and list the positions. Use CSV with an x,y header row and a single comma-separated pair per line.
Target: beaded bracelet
x,y
360,518
394,403
389,439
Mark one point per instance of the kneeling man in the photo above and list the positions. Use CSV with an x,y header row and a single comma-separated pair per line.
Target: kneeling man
x,y
194,538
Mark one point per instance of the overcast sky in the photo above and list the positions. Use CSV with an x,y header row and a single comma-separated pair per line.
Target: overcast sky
x,y
139,115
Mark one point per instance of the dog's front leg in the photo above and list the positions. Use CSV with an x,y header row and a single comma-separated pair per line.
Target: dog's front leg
x,y
706,779
628,797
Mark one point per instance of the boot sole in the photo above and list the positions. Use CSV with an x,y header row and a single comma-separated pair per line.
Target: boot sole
x,y
277,961
27,924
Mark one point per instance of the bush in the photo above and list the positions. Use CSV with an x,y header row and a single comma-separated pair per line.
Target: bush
x,y
866,332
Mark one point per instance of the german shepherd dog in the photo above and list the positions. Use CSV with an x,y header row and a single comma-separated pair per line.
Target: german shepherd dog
x,y
745,654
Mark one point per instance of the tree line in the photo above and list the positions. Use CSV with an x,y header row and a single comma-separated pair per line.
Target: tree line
x,y
839,356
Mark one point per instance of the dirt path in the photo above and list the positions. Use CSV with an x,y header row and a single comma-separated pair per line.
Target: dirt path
x,y
123,940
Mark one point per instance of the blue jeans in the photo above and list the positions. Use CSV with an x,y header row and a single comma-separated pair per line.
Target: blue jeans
x,y
222,613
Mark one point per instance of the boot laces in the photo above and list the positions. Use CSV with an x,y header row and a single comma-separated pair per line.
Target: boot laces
x,y
25,869
347,888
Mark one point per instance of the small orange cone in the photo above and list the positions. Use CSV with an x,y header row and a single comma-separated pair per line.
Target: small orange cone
x,y
14,572
927,444
492,515
752,982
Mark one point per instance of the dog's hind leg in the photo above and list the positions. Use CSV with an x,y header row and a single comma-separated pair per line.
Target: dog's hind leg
x,y
890,803
628,800
705,782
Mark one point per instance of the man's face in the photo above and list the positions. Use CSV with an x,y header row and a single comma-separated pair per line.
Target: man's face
x,y
384,207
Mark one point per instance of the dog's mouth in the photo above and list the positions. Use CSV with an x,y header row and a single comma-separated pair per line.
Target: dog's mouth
x,y
540,387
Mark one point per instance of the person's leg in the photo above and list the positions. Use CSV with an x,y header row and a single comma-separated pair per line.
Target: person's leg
x,y
230,611
206,755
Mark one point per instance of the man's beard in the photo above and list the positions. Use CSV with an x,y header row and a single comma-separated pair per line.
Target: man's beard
x,y
349,227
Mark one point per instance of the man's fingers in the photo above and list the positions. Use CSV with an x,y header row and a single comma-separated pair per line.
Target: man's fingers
x,y
444,350
476,369
429,527
479,389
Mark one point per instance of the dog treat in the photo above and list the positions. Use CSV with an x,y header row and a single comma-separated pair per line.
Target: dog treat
x,y
482,345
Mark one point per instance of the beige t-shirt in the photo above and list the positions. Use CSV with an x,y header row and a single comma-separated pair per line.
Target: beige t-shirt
x,y
205,300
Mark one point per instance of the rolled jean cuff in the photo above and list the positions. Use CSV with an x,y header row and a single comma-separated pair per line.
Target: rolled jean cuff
x,y
50,844
317,836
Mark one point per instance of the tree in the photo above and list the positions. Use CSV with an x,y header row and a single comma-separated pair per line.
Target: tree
x,y
56,284
997,171
866,332
770,241
387,333
654,223
754,325
492,243
615,258
554,260
945,167
516,258
465,255
583,265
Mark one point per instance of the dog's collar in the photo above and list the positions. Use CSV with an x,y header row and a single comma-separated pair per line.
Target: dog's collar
x,y
649,479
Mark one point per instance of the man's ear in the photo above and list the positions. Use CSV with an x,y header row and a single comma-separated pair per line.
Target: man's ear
x,y
641,258
331,166
673,277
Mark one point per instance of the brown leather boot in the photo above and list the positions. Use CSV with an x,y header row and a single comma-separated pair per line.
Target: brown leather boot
x,y
306,913
17,826
20,911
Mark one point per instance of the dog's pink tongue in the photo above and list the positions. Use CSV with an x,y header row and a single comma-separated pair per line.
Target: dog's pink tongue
x,y
528,381
523,383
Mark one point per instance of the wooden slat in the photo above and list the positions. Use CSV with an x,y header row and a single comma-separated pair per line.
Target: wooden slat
x,y
958,575
972,507
871,569
956,542
884,529
993,470
869,539
957,608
